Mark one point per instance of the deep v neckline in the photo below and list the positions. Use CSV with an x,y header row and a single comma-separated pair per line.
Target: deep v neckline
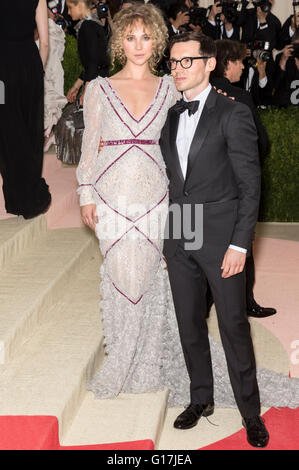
x,y
116,94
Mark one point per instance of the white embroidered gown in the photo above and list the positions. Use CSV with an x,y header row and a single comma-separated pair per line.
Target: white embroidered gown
x,y
128,183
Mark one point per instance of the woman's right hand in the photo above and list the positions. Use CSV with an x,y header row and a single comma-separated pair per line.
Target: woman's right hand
x,y
89,215
72,94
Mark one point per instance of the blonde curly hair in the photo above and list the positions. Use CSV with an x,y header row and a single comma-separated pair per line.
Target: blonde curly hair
x,y
152,19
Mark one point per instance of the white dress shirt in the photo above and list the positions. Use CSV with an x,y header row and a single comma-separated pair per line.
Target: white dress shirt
x,y
186,130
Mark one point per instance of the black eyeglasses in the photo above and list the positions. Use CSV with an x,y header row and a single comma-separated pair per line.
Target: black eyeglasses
x,y
186,62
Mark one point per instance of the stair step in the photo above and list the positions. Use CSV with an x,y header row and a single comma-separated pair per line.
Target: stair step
x,y
18,234
36,280
48,378
127,418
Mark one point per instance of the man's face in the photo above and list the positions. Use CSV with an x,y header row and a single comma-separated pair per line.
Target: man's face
x,y
234,70
195,77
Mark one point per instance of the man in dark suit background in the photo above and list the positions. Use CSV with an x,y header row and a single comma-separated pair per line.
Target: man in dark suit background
x,y
260,24
228,70
210,149
287,75
221,28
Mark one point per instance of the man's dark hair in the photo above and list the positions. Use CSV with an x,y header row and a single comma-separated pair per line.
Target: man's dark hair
x,y
207,46
227,51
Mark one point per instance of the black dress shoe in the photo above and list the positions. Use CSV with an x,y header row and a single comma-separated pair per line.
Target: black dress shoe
x,y
255,310
257,434
192,414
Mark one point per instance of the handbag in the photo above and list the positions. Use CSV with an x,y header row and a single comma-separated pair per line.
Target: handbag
x,y
69,132
78,115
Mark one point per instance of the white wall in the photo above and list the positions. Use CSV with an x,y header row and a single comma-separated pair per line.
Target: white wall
x,y
282,8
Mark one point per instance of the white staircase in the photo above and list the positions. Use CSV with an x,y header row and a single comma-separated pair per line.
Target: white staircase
x,y
51,341
51,336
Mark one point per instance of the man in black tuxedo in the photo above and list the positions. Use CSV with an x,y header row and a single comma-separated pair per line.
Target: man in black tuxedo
x,y
220,174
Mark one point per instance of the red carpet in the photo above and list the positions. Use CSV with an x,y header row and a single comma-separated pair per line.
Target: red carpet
x,y
41,433
283,427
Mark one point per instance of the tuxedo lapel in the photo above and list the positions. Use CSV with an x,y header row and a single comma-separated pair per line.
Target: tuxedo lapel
x,y
173,130
201,132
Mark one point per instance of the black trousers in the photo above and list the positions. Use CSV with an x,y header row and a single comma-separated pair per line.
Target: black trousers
x,y
186,270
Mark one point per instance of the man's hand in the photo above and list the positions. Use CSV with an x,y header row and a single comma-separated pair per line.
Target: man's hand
x,y
181,18
286,54
215,10
233,263
220,92
196,28
89,215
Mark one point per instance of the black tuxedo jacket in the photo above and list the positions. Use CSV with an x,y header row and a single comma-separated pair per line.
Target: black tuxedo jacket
x,y
243,96
223,170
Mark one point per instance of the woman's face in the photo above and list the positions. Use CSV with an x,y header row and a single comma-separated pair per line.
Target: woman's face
x,y
138,43
77,12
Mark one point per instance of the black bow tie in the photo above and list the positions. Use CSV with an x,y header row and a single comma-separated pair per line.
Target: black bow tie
x,y
182,105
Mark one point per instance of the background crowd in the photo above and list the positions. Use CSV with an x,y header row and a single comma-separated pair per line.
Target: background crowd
x,y
267,76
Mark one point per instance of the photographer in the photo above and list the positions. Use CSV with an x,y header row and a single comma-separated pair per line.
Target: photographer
x,y
223,21
260,24
185,15
61,17
105,11
229,67
287,75
288,29
260,32
258,74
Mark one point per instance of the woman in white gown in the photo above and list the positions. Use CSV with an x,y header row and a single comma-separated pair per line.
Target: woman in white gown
x,y
124,198
55,100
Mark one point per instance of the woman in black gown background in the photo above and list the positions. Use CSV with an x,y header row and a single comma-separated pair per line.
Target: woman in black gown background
x,y
22,114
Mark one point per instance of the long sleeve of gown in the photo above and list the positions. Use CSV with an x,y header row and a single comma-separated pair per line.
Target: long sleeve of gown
x,y
86,171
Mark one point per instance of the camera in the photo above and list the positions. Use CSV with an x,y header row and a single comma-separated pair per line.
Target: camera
x,y
264,5
58,18
198,16
102,10
259,50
